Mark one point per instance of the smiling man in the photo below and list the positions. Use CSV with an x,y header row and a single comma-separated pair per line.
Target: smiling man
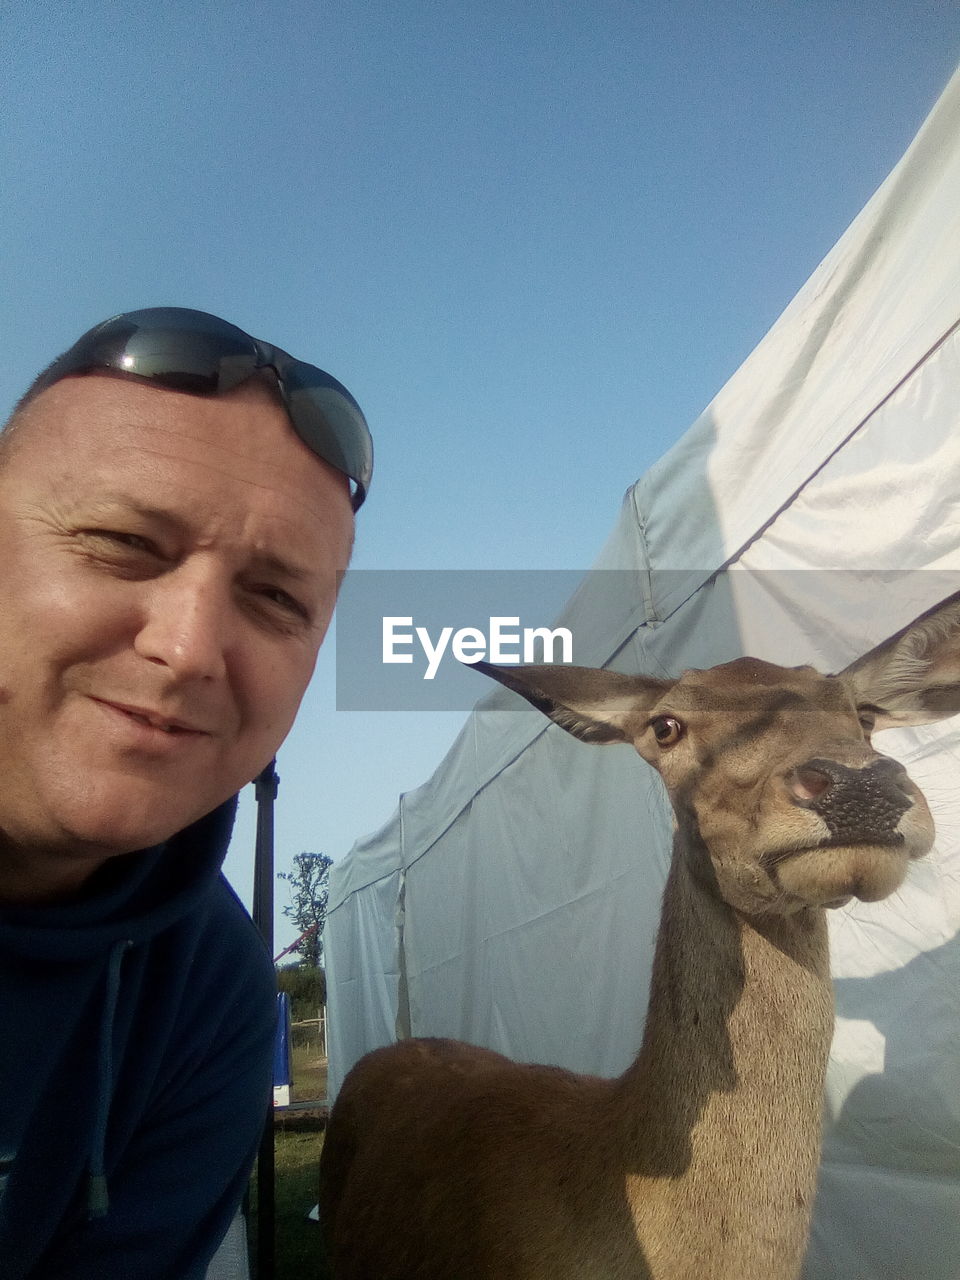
x,y
176,507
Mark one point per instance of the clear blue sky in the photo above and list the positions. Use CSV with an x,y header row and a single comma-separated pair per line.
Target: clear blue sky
x,y
534,239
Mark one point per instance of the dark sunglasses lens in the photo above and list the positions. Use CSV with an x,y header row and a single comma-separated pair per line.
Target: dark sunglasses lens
x,y
329,420
185,351
199,353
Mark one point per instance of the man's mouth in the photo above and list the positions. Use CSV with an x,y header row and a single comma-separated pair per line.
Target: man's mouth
x,y
153,719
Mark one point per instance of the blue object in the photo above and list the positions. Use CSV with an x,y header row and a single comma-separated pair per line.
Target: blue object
x,y
282,1062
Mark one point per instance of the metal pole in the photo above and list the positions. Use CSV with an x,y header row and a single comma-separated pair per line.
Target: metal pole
x,y
266,785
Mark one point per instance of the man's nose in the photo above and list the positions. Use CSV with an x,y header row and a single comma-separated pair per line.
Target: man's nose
x,y
186,625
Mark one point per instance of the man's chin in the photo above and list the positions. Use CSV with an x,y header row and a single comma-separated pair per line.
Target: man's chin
x,y
125,838
124,824
53,860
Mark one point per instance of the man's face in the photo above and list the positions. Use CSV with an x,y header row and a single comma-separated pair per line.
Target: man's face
x,y
168,569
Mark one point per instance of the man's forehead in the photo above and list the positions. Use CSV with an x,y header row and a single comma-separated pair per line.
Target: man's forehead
x,y
104,409
92,405
102,434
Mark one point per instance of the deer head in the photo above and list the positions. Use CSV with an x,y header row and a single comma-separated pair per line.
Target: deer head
x,y
780,797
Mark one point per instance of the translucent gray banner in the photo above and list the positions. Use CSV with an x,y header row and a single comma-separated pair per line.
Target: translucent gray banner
x,y
406,640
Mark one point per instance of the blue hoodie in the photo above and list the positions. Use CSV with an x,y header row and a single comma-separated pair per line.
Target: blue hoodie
x,y
135,1053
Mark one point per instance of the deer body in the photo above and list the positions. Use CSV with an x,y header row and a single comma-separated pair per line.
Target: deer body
x,y
734,1059
444,1161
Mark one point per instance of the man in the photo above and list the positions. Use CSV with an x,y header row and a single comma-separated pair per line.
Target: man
x,y
176,504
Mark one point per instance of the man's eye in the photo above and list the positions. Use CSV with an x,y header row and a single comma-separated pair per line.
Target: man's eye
x,y
121,540
285,602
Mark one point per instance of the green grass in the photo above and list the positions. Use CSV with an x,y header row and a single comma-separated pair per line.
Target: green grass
x,y
298,1137
309,1074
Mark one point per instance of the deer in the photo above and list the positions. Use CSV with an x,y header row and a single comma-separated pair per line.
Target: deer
x,y
448,1161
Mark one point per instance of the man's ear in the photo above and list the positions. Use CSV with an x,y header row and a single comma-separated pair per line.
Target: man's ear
x,y
595,706
914,677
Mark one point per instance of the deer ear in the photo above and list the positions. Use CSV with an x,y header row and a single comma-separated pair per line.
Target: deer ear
x,y
595,706
914,677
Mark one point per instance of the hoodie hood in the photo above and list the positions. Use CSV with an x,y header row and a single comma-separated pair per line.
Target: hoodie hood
x,y
130,899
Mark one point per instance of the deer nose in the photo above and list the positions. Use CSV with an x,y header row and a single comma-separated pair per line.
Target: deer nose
x,y
863,804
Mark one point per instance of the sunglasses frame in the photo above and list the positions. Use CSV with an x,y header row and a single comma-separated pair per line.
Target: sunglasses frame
x,y
150,345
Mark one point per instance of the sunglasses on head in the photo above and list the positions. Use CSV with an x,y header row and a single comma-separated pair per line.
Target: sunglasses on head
x,y
200,354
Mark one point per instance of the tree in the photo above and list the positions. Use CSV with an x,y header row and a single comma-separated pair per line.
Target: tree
x,y
307,909
306,987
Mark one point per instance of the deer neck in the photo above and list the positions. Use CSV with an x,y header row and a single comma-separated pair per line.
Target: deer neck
x,y
722,1109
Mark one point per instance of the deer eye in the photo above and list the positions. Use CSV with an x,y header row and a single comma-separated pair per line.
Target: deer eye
x,y
868,719
667,730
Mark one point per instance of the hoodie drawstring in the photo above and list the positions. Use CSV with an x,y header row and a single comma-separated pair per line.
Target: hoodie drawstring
x,y
97,1199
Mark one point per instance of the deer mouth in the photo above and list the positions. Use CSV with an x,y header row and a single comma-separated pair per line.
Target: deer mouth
x,y
859,839
868,865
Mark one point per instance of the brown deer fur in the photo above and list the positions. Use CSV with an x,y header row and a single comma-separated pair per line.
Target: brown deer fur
x,y
444,1161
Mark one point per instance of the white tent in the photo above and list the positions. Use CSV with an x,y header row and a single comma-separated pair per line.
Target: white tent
x,y
813,509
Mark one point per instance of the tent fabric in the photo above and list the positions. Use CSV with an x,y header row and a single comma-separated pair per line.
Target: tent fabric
x,y
811,511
